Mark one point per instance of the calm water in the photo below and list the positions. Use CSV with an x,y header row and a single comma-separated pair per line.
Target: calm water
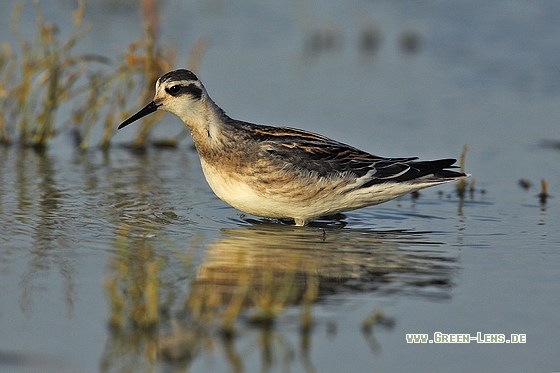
x,y
127,262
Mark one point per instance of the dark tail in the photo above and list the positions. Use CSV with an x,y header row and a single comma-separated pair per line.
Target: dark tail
x,y
438,168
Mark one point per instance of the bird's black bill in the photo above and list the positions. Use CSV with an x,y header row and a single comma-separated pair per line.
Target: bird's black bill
x,y
148,109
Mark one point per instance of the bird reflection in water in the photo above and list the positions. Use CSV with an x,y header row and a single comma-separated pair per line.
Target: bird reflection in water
x,y
251,275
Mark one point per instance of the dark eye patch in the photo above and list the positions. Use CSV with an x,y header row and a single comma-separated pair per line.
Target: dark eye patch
x,y
180,89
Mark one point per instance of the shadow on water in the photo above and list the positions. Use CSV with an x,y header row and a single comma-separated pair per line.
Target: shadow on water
x,y
253,281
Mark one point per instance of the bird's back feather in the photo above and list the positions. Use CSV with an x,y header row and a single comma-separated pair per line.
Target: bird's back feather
x,y
329,158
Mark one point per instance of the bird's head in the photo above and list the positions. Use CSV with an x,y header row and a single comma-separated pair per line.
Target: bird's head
x,y
178,92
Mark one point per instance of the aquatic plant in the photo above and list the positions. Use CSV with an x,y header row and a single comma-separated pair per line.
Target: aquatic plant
x,y
543,195
461,185
45,74
41,78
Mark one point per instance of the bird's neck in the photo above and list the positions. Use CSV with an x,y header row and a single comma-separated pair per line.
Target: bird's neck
x,y
207,128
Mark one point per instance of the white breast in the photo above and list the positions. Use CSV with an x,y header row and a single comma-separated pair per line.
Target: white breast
x,y
237,192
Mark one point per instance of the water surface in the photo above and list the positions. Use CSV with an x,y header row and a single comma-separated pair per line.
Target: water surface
x,y
120,261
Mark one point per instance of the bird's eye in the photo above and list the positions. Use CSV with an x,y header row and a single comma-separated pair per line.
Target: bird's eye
x,y
174,90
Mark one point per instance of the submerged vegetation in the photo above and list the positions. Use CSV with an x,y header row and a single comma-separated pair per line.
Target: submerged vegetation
x,y
45,74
